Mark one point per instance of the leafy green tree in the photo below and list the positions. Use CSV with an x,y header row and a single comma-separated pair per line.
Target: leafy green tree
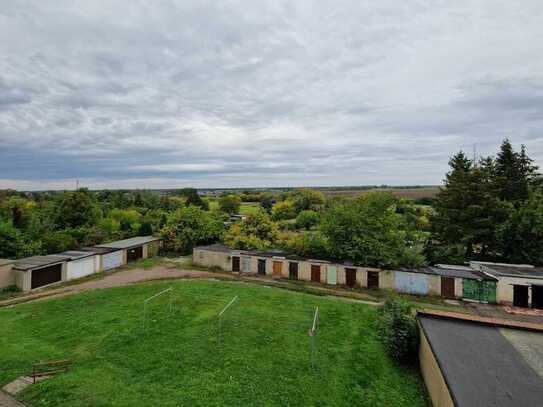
x,y
129,220
11,241
193,198
77,209
283,210
110,227
306,199
59,241
366,230
267,201
230,204
307,219
191,226
256,232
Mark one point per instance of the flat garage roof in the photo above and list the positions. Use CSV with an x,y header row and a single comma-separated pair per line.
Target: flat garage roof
x,y
36,262
128,243
485,365
76,254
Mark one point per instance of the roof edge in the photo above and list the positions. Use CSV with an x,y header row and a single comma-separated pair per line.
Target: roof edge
x,y
496,322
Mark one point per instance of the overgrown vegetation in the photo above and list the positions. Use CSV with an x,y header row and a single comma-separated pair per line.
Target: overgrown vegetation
x,y
399,331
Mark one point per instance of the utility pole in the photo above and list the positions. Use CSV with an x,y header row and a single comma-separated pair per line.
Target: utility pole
x,y
76,185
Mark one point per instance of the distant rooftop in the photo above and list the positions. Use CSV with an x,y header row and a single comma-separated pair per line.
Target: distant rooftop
x,y
512,270
129,243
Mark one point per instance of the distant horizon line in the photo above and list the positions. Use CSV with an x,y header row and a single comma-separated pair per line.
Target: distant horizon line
x,y
334,187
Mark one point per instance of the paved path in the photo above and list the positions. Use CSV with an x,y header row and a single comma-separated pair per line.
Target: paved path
x,y
125,277
116,279
8,401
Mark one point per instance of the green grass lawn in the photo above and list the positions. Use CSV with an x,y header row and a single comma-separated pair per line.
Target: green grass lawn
x,y
249,208
264,357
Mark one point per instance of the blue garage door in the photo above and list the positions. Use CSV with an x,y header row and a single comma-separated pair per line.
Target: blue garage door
x,y
411,283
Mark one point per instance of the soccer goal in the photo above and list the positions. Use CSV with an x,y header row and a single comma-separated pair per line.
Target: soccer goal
x,y
220,318
164,295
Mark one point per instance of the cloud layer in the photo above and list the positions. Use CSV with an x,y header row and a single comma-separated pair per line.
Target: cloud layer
x,y
231,93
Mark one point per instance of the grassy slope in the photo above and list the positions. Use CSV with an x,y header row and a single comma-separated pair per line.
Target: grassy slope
x,y
264,358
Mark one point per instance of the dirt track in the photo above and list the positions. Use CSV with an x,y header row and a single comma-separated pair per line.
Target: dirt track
x,y
116,279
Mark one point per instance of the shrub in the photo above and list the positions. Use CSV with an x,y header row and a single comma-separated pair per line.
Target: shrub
x,y
307,219
399,331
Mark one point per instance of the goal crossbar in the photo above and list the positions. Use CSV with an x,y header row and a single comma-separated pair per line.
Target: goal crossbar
x,y
228,305
158,294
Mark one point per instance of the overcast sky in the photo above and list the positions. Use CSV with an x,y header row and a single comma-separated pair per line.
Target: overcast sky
x,y
155,94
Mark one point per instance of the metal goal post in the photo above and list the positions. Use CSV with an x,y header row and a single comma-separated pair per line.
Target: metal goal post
x,y
153,297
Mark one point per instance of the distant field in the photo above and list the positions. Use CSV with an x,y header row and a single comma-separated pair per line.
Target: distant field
x,y
264,358
248,208
409,193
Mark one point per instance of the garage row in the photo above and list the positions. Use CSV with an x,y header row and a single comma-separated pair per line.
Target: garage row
x,y
519,285
40,271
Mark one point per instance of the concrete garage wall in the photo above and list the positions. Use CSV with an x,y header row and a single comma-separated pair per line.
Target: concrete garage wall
x,y
386,279
23,280
504,287
7,276
431,373
206,258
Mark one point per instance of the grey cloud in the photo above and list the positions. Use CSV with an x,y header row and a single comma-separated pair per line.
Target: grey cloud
x,y
263,93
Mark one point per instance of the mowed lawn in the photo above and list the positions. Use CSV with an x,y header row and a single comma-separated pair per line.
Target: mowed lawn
x,y
264,357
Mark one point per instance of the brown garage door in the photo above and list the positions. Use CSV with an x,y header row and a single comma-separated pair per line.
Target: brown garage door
x,y
520,296
134,254
293,270
46,275
277,267
350,277
316,273
235,263
537,296
373,279
447,287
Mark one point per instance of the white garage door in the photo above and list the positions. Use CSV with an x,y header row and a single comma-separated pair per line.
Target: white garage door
x,y
246,264
80,268
112,260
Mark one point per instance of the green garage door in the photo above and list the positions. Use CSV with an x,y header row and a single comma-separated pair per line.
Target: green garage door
x,y
482,291
331,275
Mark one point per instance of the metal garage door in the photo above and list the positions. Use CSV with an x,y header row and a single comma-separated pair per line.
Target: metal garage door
x,y
46,275
134,254
246,264
80,268
112,260
411,283
331,275
481,291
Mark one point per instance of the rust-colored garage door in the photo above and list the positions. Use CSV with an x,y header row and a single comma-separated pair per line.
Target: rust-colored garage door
x,y
447,287
373,279
350,277
277,267
315,273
